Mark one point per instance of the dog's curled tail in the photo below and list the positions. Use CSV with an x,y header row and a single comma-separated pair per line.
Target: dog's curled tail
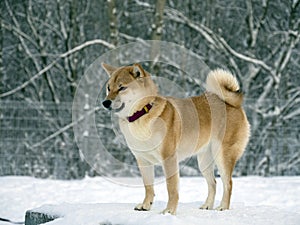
x,y
226,86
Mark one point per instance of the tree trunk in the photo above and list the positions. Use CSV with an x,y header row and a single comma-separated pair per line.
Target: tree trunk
x,y
157,28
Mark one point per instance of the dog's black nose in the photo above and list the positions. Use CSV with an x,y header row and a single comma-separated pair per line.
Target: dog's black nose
x,y
106,103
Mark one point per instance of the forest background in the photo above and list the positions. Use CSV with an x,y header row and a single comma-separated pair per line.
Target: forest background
x,y
46,47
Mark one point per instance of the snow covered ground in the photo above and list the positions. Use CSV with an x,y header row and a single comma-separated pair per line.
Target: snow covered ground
x,y
94,201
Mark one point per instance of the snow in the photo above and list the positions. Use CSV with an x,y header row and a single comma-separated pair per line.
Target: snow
x,y
94,201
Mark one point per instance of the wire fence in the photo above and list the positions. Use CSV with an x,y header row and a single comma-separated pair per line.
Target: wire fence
x,y
273,148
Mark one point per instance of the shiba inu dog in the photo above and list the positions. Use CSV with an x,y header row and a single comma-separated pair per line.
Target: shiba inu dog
x,y
165,130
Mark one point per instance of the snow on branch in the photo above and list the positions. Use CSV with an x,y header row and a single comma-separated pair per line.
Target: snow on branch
x,y
244,57
49,66
86,44
215,40
26,83
293,114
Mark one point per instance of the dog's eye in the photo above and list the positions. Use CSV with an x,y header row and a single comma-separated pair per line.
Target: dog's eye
x,y
122,88
108,88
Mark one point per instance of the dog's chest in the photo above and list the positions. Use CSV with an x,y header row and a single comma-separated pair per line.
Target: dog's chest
x,y
139,132
143,140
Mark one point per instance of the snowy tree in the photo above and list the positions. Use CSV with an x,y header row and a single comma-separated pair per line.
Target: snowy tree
x,y
47,45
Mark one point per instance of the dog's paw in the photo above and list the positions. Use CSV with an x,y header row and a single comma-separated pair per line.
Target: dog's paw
x,y
222,208
206,206
169,211
143,207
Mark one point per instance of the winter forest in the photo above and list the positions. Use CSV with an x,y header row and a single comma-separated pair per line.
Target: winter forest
x,y
46,47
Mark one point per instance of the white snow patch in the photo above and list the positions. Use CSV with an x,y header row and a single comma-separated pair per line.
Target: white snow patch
x,y
188,213
255,200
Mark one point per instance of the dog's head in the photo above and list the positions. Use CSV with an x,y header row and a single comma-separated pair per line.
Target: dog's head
x,y
127,88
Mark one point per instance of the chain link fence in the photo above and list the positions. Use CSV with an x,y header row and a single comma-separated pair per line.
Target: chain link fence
x,y
37,140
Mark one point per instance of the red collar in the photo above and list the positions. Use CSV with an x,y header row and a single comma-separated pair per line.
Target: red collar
x,y
140,113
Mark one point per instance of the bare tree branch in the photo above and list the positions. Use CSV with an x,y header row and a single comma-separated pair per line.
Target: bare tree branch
x,y
48,67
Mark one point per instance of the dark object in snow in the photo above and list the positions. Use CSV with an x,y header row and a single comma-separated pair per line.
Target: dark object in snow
x,y
34,218
10,221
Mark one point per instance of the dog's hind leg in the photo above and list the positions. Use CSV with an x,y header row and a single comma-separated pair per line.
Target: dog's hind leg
x,y
225,164
206,166
147,172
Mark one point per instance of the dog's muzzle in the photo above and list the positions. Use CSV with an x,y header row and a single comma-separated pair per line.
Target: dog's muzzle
x,y
108,105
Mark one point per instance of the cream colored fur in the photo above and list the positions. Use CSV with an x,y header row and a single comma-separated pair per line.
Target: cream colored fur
x,y
212,126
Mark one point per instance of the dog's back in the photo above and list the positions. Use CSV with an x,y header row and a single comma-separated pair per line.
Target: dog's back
x,y
215,116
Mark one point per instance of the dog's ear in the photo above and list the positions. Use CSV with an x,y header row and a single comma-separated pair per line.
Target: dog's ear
x,y
108,68
138,71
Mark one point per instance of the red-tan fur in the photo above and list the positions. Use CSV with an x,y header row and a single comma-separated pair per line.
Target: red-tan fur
x,y
212,126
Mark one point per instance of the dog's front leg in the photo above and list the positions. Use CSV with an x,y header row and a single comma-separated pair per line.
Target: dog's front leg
x,y
172,177
147,172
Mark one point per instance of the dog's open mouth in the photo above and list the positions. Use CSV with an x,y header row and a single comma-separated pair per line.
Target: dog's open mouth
x,y
120,108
